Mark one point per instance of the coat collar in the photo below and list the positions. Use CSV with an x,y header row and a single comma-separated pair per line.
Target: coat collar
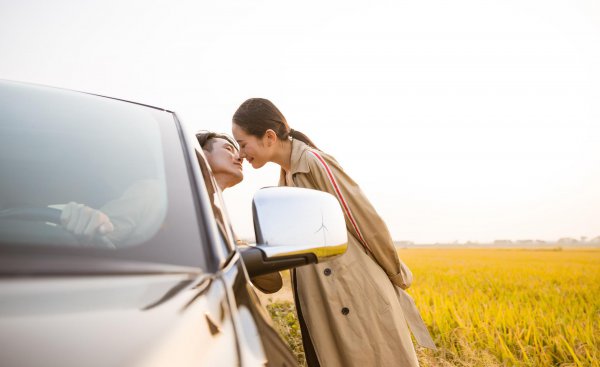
x,y
298,162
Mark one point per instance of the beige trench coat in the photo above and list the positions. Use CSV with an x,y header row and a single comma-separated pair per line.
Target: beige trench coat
x,y
354,307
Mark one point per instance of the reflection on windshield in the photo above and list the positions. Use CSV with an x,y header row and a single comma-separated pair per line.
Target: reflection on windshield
x,y
84,170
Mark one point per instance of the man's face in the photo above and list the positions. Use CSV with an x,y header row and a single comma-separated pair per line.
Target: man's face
x,y
225,161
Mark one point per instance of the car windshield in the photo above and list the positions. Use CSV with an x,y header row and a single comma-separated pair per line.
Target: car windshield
x,y
90,155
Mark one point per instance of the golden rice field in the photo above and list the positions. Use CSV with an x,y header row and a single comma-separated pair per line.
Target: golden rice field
x,y
497,307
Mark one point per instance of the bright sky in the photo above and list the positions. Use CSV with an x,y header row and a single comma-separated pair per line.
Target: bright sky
x,y
461,120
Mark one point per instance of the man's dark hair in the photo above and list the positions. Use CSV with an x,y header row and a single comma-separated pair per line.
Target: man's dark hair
x,y
206,139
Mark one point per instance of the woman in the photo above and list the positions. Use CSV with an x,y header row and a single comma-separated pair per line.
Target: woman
x,y
352,310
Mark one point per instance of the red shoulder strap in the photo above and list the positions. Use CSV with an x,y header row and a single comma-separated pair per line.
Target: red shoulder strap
x,y
341,198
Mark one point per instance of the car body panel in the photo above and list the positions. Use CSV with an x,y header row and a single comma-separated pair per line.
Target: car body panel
x,y
114,321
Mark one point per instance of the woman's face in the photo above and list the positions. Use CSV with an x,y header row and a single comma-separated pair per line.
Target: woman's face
x,y
251,148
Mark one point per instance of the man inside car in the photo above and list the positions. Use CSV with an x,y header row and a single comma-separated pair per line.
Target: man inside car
x,y
112,220
222,155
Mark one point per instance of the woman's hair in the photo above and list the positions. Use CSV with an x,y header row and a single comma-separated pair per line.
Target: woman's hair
x,y
256,115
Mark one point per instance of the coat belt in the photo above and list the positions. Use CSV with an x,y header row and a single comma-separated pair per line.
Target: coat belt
x,y
414,320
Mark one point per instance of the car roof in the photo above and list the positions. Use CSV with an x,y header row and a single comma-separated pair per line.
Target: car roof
x,y
6,82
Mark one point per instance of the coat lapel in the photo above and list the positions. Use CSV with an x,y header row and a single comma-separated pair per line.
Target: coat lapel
x,y
298,163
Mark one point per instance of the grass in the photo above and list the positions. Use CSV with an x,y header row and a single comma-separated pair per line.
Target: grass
x,y
495,307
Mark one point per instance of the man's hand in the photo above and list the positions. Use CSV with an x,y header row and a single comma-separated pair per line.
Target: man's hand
x,y
85,222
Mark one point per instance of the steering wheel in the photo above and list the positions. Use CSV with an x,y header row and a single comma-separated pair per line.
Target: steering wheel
x,y
52,215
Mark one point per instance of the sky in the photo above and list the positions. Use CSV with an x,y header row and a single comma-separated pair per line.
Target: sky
x,y
463,120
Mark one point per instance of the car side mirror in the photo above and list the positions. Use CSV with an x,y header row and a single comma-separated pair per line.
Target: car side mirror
x,y
294,227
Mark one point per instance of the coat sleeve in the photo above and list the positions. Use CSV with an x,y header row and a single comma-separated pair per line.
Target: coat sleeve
x,y
267,283
362,221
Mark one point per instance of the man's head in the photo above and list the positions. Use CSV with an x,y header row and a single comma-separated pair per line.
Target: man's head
x,y
223,156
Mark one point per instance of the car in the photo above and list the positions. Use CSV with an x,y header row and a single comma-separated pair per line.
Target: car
x,y
170,287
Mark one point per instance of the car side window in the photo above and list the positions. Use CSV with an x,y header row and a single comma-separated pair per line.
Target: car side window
x,y
216,204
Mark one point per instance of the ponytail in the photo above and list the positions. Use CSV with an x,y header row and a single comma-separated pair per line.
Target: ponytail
x,y
302,137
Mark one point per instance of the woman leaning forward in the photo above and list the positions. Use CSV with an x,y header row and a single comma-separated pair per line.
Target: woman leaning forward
x,y
353,310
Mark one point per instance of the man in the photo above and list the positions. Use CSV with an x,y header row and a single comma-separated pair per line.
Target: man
x,y
84,222
222,155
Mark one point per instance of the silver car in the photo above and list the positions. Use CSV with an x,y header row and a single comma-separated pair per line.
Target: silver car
x,y
168,287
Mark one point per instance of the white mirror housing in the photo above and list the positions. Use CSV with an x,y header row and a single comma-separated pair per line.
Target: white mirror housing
x,y
295,226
